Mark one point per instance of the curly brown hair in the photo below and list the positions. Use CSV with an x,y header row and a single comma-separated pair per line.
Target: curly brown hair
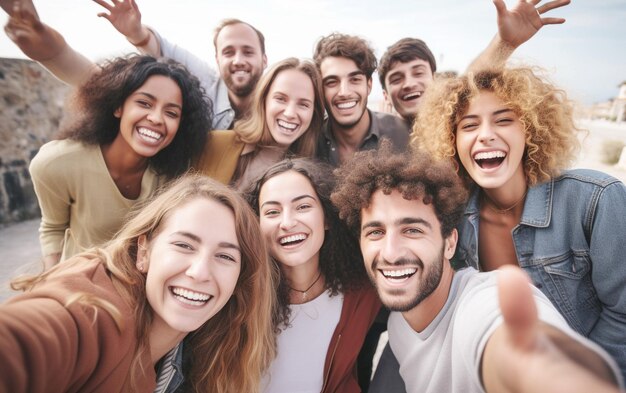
x,y
414,176
348,46
96,101
341,261
544,111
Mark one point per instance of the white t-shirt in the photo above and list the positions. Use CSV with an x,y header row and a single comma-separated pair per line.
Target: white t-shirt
x,y
302,347
445,357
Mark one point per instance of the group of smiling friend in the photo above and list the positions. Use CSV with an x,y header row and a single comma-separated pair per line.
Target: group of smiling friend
x,y
157,280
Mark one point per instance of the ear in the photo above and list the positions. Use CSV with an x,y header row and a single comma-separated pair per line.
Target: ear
x,y
450,244
264,61
118,112
385,96
369,86
142,254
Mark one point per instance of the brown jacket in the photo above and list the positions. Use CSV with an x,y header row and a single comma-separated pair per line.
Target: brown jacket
x,y
221,155
46,346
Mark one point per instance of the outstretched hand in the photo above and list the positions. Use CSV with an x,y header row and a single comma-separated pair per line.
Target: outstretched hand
x,y
124,15
520,23
37,40
527,355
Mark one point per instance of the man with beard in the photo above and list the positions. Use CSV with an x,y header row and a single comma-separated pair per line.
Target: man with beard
x,y
461,331
346,64
239,53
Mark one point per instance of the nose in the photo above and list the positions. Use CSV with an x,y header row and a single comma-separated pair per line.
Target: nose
x,y
287,220
155,116
200,268
392,249
290,110
486,133
343,88
409,83
238,58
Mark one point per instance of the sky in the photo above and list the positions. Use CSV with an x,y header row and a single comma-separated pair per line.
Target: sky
x,y
586,56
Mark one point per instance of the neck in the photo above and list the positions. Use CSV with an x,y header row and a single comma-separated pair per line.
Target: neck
x,y
351,136
162,338
509,197
303,278
241,105
420,316
121,159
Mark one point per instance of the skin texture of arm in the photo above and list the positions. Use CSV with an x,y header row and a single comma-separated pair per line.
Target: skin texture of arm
x,y
44,44
515,26
527,355
126,18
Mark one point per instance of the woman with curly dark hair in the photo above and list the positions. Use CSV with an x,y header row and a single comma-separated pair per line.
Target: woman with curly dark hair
x,y
326,304
138,122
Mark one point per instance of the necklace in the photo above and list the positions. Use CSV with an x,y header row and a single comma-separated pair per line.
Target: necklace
x,y
497,209
304,293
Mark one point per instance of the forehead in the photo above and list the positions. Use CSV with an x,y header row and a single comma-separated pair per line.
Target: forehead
x,y
239,35
485,101
285,187
390,209
294,82
404,67
202,217
337,66
162,87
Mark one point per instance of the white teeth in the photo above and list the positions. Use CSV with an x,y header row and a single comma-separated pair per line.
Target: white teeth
x,y
149,133
399,273
287,125
240,72
410,96
292,238
346,105
185,294
486,155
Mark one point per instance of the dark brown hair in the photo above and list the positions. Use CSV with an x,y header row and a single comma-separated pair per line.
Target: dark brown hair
x,y
348,46
403,51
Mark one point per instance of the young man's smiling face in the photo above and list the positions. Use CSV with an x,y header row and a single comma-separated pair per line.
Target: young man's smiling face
x,y
404,253
346,88
405,84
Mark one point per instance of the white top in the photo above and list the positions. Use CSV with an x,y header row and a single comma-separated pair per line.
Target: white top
x,y
445,357
299,364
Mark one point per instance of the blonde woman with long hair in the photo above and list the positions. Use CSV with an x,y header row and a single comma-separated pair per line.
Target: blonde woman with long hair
x,y
190,265
285,119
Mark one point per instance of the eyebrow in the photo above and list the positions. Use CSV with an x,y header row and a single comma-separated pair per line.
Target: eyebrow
x,y
198,240
353,73
498,112
143,93
296,199
402,221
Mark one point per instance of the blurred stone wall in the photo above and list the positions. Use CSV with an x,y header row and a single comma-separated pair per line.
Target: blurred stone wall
x,y
31,102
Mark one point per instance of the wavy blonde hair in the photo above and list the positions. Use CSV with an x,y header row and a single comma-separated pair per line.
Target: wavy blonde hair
x,y
232,349
544,111
253,129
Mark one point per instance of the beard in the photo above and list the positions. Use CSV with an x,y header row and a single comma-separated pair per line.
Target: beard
x,y
399,299
242,90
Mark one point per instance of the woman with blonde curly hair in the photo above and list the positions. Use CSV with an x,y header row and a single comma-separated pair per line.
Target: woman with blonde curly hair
x,y
285,119
511,134
191,265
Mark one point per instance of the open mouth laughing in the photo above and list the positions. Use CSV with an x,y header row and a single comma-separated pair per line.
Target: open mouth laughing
x,y
149,135
489,159
292,240
190,297
286,126
411,96
346,104
398,276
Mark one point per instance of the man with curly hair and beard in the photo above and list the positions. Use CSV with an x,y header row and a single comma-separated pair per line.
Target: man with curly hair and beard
x,y
461,331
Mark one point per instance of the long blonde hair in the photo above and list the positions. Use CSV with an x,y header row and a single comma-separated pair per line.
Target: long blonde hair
x,y
544,111
233,348
253,129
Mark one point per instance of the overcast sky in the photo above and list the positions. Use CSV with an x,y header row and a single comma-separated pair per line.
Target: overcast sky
x,y
586,56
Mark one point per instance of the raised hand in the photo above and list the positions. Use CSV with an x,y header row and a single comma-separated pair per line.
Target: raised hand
x,y
37,40
124,15
520,23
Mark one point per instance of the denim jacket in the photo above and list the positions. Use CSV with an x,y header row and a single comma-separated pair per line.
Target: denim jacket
x,y
571,241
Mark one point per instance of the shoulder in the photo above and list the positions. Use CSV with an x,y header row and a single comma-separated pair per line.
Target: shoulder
x,y
583,177
389,122
61,153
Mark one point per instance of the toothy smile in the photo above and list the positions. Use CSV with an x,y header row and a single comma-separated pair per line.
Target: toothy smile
x,y
346,105
241,72
412,96
287,125
489,159
190,297
398,274
292,239
149,135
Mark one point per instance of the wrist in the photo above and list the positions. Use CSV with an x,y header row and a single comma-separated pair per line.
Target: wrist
x,y
143,41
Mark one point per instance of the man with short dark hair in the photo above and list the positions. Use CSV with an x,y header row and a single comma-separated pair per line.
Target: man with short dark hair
x,y
346,64
453,331
408,66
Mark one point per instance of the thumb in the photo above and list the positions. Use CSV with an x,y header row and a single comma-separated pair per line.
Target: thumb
x,y
518,306
500,7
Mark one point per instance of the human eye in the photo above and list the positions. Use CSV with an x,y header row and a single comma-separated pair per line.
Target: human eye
x,y
374,234
356,79
504,121
305,104
143,103
227,257
304,206
228,52
183,246
413,231
172,114
271,212
467,126
394,81
330,83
